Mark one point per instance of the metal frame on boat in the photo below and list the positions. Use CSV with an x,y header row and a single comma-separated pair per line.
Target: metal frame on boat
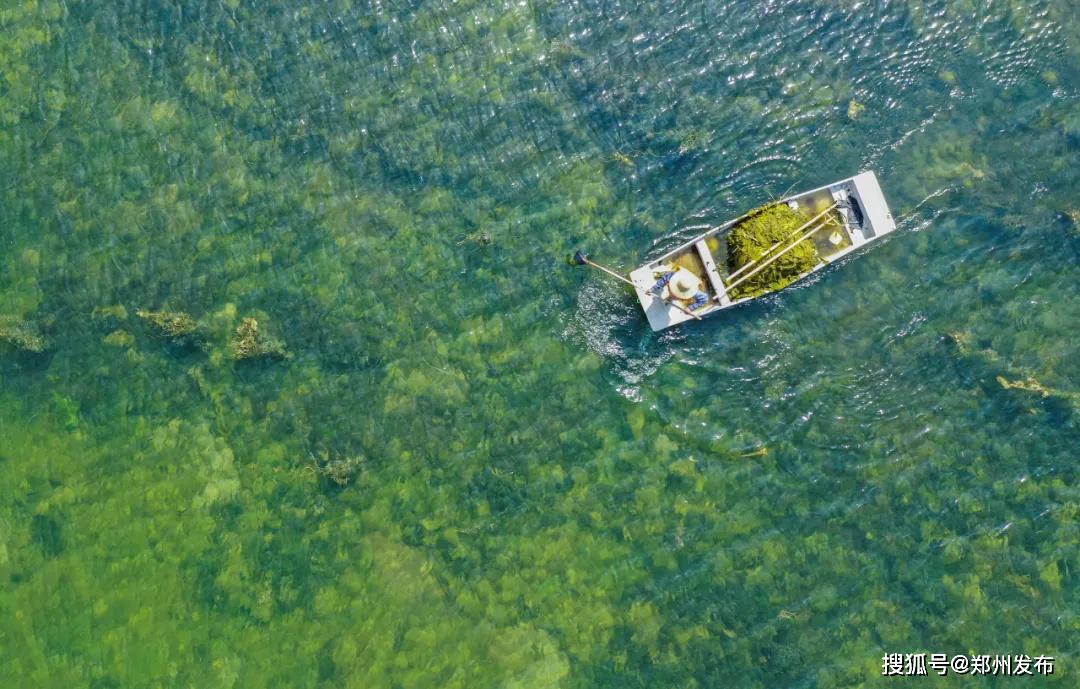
x,y
860,216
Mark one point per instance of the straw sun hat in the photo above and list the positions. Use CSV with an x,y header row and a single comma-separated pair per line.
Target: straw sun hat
x,y
684,284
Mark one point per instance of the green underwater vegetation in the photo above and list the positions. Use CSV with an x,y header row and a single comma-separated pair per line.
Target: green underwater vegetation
x,y
21,334
175,326
250,343
339,470
478,468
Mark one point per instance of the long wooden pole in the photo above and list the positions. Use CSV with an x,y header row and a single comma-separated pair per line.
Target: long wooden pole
x,y
766,264
615,275
612,273
773,247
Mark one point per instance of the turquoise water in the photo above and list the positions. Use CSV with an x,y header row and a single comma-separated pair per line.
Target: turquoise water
x,y
476,466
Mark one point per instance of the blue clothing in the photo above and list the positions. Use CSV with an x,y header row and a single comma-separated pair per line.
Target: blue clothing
x,y
662,282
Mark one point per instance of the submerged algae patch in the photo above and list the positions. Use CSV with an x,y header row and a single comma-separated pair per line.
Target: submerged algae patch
x,y
175,326
754,236
1028,384
47,533
250,343
21,334
337,468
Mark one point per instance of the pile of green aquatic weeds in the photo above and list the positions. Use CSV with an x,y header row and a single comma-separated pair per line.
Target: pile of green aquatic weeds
x,y
752,237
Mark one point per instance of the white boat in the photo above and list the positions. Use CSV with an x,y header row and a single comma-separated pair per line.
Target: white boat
x,y
853,210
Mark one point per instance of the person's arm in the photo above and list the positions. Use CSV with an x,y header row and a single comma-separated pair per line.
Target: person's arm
x,y
700,299
662,282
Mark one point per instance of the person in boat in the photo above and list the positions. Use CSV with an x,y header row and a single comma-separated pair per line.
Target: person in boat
x,y
680,284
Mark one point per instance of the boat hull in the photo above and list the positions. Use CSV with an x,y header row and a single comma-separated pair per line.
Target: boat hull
x,y
862,209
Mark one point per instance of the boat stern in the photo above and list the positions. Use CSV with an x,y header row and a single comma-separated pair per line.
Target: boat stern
x,y
660,314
